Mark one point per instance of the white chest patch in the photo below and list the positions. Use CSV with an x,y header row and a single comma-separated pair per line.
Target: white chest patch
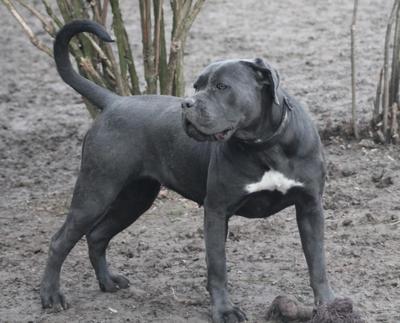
x,y
273,181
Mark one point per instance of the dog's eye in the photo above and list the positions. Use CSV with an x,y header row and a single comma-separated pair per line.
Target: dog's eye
x,y
221,86
196,88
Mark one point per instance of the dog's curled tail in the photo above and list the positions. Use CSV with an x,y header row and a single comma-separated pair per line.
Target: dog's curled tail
x,y
96,94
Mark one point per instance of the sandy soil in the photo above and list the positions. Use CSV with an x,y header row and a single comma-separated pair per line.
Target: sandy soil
x,y
42,123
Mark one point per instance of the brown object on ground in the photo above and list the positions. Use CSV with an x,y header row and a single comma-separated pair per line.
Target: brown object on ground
x,y
42,125
286,310
339,311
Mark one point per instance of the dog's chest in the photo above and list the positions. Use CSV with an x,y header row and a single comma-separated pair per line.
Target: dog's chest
x,y
272,180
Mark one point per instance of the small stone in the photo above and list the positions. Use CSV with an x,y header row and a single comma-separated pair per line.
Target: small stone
x,y
348,172
370,217
347,222
367,143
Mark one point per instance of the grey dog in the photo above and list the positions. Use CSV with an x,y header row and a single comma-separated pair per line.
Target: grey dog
x,y
240,145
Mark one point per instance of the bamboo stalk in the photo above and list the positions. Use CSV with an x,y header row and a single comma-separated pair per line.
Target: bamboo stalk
x,y
26,29
353,72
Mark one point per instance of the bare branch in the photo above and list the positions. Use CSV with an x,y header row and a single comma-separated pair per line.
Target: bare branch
x,y
51,14
375,115
104,13
158,5
385,99
126,61
27,30
148,55
353,72
394,80
183,17
394,127
47,24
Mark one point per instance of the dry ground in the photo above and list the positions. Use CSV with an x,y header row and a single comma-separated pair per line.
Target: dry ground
x,y
42,123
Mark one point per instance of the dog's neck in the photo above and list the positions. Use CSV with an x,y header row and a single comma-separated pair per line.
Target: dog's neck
x,y
271,125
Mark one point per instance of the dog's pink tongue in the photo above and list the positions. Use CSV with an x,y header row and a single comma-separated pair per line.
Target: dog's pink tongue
x,y
220,136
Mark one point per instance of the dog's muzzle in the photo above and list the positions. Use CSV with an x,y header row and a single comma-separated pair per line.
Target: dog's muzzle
x,y
201,132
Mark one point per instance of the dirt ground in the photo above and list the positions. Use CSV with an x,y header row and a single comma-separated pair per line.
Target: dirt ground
x,y
42,123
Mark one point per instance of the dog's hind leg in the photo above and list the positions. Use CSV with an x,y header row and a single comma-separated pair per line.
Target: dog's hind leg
x,y
135,199
94,192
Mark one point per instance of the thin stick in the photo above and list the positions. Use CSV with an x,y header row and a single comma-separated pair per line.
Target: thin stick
x,y
47,24
394,128
105,11
182,23
163,65
394,80
385,99
126,60
375,115
86,64
148,55
353,72
157,33
65,10
27,30
51,14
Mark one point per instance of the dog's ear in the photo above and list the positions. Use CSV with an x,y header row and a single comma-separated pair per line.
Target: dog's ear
x,y
267,74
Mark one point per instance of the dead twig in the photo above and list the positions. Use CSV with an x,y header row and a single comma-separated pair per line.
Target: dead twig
x,y
385,99
376,112
47,24
394,80
148,54
353,72
183,16
126,62
158,11
27,30
394,127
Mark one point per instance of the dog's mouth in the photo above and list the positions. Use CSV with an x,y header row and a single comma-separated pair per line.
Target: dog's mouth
x,y
199,135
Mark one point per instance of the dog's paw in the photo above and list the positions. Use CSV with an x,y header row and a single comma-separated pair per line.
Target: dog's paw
x,y
53,301
232,314
114,283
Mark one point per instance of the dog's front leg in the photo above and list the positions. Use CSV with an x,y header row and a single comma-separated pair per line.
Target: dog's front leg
x,y
214,233
310,220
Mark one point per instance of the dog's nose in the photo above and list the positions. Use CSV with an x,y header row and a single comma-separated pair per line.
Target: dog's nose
x,y
187,103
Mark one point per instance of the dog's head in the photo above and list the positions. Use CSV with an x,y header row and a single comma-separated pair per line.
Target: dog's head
x,y
230,97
